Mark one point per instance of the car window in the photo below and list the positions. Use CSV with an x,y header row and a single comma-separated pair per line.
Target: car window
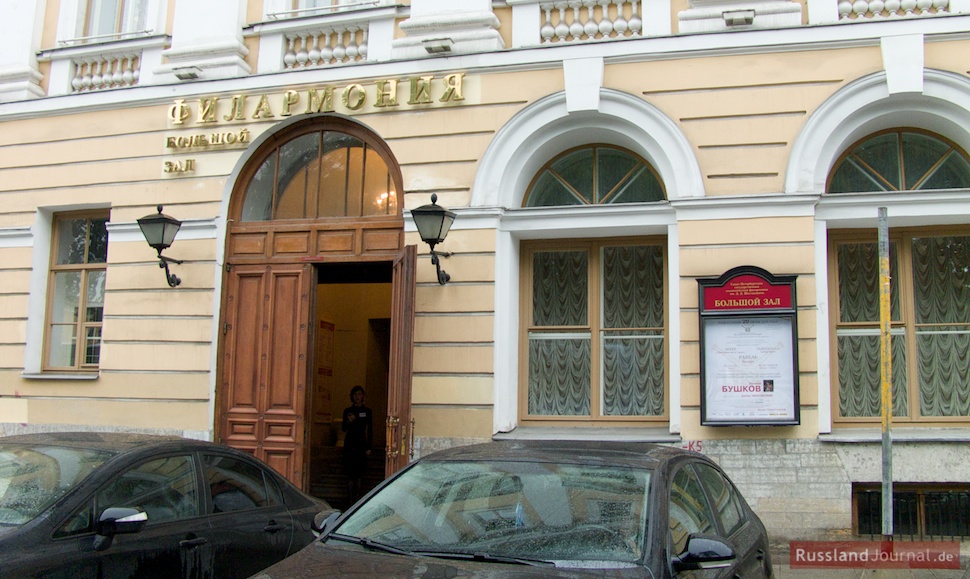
x,y
234,485
724,496
165,488
78,523
32,477
689,510
568,513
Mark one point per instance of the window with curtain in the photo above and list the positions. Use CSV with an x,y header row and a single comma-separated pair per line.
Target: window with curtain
x,y
323,173
595,175
78,269
929,287
107,17
900,160
594,338
930,335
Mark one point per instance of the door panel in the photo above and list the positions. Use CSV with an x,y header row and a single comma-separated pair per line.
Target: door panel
x,y
265,363
251,529
399,376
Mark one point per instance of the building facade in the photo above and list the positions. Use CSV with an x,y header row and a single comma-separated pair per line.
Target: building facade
x,y
666,230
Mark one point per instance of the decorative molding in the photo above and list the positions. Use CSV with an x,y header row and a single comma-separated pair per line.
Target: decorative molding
x,y
866,106
468,32
902,58
16,237
720,16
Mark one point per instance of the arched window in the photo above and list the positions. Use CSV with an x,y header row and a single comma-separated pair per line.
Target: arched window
x,y
595,175
323,173
900,160
595,337
929,295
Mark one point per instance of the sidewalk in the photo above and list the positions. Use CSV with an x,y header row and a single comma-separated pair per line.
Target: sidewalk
x,y
783,571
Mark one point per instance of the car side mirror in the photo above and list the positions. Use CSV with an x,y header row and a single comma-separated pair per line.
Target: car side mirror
x,y
324,520
117,521
704,552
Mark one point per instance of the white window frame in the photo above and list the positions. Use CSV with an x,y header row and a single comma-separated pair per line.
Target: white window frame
x,y
70,22
41,240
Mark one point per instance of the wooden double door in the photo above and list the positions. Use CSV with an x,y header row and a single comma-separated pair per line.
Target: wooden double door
x,y
265,354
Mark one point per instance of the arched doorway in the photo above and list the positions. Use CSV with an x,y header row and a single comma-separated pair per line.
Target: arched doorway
x,y
315,227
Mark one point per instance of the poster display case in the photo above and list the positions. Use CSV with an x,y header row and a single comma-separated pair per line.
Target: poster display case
x,y
749,353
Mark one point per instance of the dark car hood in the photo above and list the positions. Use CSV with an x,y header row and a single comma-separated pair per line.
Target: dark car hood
x,y
328,560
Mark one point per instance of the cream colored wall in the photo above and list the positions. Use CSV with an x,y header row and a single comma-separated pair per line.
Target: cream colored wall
x,y
708,248
742,113
157,342
504,15
452,388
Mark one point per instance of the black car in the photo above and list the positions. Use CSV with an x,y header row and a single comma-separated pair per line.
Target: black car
x,y
79,505
544,508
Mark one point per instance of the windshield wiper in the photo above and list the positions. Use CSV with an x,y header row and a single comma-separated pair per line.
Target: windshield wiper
x,y
459,555
370,544
485,557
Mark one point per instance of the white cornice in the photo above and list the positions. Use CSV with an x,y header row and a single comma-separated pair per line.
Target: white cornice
x,y
904,209
823,37
744,207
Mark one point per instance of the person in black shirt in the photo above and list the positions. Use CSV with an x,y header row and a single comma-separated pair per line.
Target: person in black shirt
x,y
358,424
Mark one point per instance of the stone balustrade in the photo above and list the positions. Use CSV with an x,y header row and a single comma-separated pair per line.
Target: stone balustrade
x,y
106,71
582,20
875,9
335,45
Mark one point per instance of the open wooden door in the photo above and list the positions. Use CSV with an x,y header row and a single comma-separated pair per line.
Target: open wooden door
x,y
264,365
399,426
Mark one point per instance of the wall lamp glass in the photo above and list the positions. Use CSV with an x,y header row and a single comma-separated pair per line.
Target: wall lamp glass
x,y
159,230
433,222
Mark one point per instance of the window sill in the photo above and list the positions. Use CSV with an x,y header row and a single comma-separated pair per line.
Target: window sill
x,y
52,376
656,434
863,435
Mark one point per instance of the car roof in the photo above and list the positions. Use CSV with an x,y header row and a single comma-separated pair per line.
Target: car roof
x,y
116,442
637,454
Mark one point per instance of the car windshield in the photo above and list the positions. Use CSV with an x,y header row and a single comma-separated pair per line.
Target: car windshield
x,y
573,515
34,476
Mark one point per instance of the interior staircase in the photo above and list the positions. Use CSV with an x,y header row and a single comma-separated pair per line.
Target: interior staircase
x,y
327,480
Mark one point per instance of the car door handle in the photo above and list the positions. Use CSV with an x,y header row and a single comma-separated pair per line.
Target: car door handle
x,y
761,555
274,527
190,543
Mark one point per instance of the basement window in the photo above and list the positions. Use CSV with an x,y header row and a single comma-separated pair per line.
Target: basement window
x,y
921,512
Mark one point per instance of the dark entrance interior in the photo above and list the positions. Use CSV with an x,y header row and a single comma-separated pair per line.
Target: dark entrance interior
x,y
352,330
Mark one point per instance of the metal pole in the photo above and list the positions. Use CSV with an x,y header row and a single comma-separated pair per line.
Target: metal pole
x,y
885,376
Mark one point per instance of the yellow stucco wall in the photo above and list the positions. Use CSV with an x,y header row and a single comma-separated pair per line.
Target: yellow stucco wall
x,y
741,114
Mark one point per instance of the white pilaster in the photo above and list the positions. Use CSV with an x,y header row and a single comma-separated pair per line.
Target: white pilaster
x,y
526,22
380,39
656,17
207,35
20,33
959,6
823,11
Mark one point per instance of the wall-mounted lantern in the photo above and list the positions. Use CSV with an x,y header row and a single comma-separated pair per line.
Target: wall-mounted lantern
x,y
433,222
159,230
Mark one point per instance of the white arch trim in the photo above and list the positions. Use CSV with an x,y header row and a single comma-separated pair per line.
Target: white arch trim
x,y
544,129
859,109
526,143
865,107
